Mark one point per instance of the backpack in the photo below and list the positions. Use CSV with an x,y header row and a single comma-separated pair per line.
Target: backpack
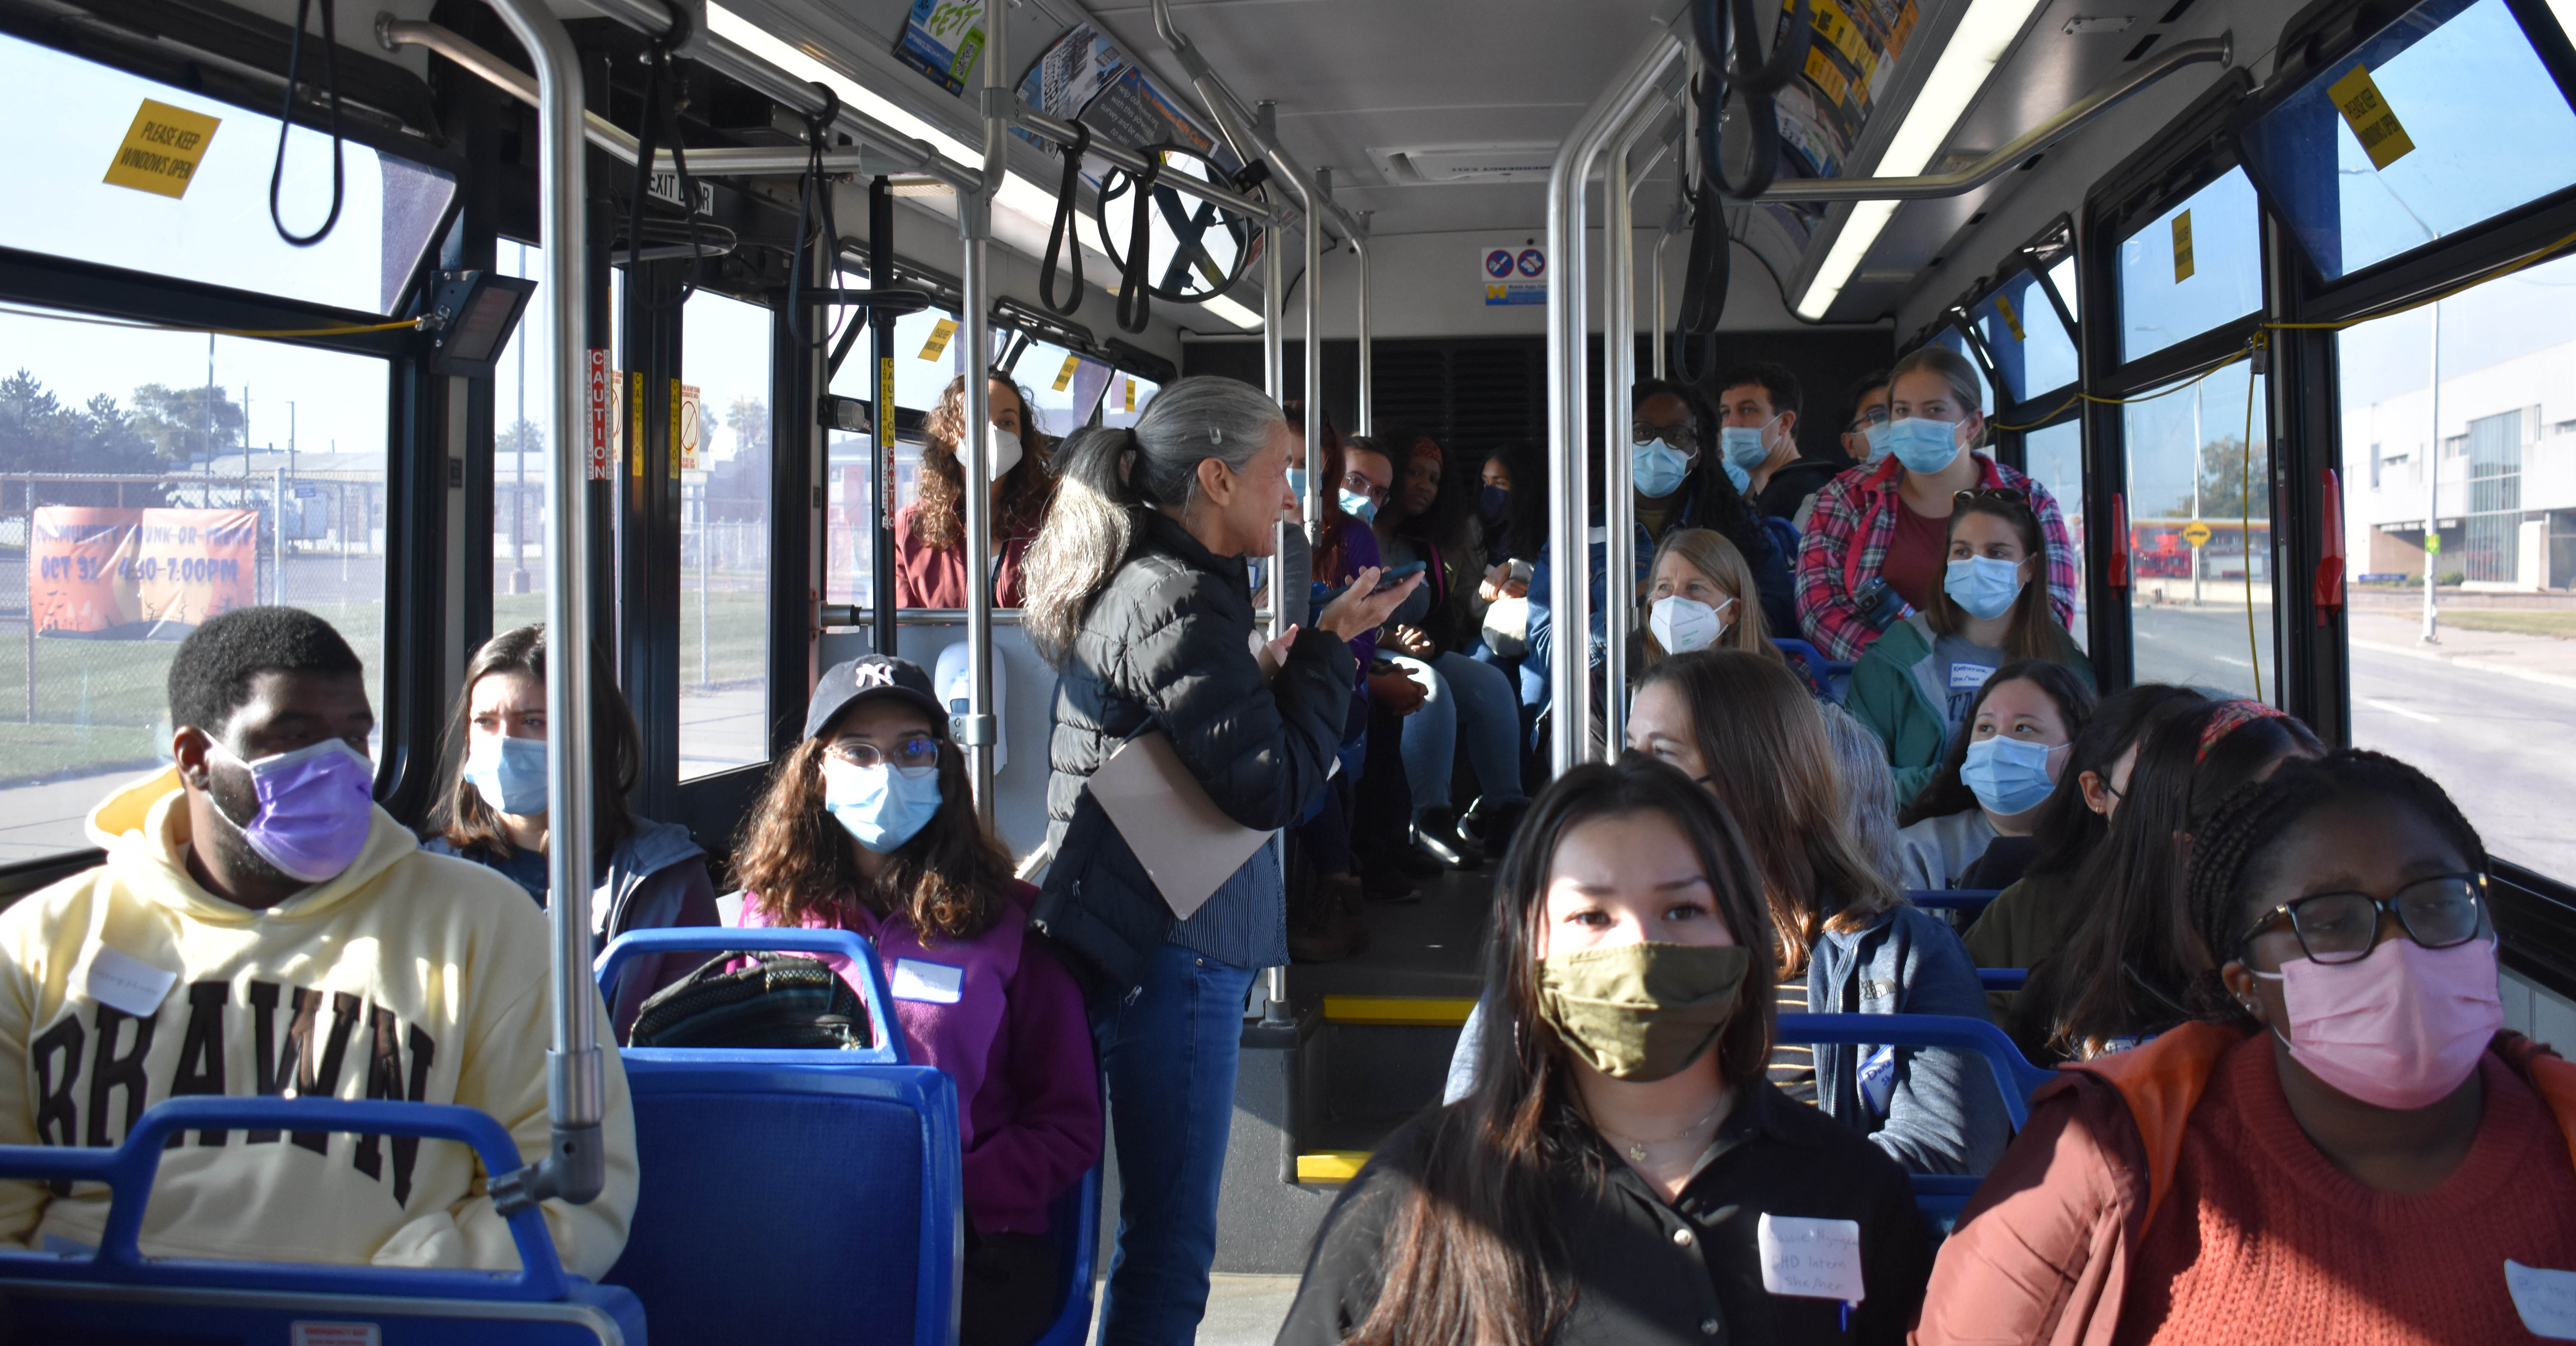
x,y
781,1001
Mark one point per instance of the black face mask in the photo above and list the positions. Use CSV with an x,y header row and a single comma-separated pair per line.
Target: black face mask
x,y
1491,501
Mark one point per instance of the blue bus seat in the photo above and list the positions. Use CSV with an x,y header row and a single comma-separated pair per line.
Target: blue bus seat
x,y
1784,535
117,1294
807,1196
1075,1222
2003,978
1969,900
1828,678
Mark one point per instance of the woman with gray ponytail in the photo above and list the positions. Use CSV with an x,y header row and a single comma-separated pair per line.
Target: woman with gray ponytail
x,y
1138,594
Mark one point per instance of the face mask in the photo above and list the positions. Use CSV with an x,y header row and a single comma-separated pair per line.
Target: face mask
x,y
1003,451
1924,446
1297,485
2400,1028
1685,624
1659,468
1736,477
1876,433
2008,775
1986,587
1744,447
510,774
1491,501
315,810
882,806
1358,506
1641,1011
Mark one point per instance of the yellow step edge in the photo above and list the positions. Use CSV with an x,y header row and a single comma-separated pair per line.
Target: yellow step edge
x,y
1330,1168
1411,1010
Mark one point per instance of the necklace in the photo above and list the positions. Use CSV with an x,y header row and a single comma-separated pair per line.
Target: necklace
x,y
1636,1150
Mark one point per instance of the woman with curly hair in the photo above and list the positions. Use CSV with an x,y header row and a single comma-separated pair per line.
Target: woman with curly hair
x,y
930,533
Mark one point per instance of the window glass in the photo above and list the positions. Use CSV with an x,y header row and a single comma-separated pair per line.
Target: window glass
x,y
217,230
2062,278
1063,387
214,473
2197,266
2054,457
1957,340
724,537
2486,710
2436,87
2200,603
522,439
2033,353
1126,399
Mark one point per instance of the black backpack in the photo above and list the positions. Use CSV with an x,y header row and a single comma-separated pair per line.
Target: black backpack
x,y
780,1002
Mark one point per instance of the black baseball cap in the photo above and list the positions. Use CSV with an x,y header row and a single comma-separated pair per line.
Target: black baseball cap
x,y
876,675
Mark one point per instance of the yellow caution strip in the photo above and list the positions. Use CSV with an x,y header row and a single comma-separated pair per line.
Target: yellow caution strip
x,y
1410,1010
1330,1168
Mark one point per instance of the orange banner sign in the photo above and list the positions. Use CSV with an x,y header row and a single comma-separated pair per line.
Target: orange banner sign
x,y
96,573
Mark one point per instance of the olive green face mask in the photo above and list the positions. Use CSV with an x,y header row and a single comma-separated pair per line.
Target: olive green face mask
x,y
1642,1011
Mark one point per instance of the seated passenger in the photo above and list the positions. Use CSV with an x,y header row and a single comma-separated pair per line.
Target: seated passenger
x,y
2340,1146
1616,1171
1887,523
2121,974
493,812
1326,921
869,826
1997,774
1757,415
2029,919
267,929
930,533
1701,597
1743,726
1916,682
1869,789
1865,419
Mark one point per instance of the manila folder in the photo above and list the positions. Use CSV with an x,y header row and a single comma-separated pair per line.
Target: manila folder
x,y
1187,844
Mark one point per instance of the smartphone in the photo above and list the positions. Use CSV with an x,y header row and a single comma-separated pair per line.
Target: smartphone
x,y
1395,575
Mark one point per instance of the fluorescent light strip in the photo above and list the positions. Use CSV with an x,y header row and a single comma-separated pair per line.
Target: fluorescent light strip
x,y
1984,34
1232,312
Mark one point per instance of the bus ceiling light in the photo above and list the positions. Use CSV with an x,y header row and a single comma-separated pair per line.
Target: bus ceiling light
x,y
1975,47
1231,311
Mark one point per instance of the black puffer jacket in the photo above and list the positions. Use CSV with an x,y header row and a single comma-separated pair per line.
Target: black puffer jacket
x,y
1166,646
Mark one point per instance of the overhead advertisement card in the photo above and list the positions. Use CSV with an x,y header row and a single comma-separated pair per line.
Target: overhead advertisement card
x,y
940,39
1512,273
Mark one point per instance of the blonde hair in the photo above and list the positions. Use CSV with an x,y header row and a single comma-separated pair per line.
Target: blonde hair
x,y
1708,552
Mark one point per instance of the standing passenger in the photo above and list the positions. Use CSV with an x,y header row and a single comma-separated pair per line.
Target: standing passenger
x,y
930,533
1139,597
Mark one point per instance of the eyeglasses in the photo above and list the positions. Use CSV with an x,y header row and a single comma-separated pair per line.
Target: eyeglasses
x,y
2007,494
1356,484
1683,435
2437,913
1862,420
911,752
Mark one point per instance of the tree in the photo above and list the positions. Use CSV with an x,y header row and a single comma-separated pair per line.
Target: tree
x,y
2223,479
525,437
177,422
749,417
39,434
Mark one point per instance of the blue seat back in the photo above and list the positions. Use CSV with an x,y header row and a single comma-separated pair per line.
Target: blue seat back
x,y
54,1298
1828,678
811,1196
1972,901
2003,978
1074,1222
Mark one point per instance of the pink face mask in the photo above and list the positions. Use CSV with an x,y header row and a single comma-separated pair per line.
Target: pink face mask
x,y
2400,1028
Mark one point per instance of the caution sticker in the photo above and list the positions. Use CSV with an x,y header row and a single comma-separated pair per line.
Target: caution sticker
x,y
2182,247
1131,394
162,150
687,430
1064,376
2012,320
2372,121
938,343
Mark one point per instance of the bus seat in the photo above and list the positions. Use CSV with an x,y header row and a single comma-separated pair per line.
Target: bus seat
x,y
1971,901
813,1196
1827,678
1075,1220
2003,978
1784,535
117,1294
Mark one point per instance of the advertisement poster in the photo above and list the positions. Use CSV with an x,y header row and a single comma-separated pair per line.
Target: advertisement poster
x,y
99,573
1850,60
1084,77
940,40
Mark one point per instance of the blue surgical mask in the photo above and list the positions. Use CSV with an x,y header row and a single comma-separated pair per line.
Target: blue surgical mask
x,y
510,774
1924,446
2008,775
1746,446
1358,506
1297,484
1737,477
1491,501
1983,585
1659,468
1876,433
883,806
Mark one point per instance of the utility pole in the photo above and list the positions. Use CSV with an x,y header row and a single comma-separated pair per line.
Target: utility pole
x,y
2433,486
2199,466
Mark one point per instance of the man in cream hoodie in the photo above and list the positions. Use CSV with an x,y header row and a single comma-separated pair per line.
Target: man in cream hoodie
x,y
264,928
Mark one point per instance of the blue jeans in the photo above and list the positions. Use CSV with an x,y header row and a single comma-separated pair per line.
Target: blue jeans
x,y
1169,1057
1470,698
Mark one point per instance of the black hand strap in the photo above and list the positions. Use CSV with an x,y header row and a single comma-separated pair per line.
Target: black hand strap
x,y
1068,199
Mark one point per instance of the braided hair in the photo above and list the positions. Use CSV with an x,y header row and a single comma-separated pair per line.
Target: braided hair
x,y
2255,818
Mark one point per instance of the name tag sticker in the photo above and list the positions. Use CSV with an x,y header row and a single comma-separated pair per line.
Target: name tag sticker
x,y
1811,1259
1970,676
937,983
122,982
2546,1299
332,1334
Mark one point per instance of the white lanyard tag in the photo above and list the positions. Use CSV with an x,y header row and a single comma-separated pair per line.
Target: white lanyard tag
x,y
1811,1259
2546,1299
123,982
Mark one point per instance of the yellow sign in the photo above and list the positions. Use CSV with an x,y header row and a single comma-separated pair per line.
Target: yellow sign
x,y
2196,533
1064,376
1131,394
162,150
691,430
1826,77
2182,247
2012,320
939,335
2372,121
635,433
2433,543
885,401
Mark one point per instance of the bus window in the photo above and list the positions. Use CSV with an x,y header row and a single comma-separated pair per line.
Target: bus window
x,y
2032,349
2197,266
1125,398
1063,387
2193,581
2054,457
1958,341
215,473
2487,710
724,537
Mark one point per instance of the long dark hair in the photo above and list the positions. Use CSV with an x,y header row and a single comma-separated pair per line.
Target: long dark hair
x,y
2130,962
1025,489
1720,505
951,879
1945,793
1524,525
2034,632
2067,828
459,816
2255,818
1474,1252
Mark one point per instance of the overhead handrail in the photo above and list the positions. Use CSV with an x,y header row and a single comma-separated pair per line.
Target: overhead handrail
x,y
1068,205
1061,133
1759,79
2048,132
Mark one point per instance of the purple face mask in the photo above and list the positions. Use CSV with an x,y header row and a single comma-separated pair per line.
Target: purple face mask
x,y
315,809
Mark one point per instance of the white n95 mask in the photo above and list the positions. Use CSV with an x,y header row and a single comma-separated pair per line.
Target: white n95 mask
x,y
1685,624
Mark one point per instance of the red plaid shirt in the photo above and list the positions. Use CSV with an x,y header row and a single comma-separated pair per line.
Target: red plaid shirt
x,y
1846,543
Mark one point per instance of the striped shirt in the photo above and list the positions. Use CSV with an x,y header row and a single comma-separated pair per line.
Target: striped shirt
x,y
1793,1064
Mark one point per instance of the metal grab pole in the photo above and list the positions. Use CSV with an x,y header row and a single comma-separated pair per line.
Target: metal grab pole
x,y
975,225
1368,381
575,1168
1618,375
1314,377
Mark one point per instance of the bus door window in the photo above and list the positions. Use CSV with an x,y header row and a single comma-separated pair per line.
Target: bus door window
x,y
724,469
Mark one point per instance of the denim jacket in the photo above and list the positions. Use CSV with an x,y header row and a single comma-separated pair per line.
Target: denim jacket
x,y
1944,1114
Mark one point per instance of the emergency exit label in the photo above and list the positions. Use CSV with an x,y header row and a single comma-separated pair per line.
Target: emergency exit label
x,y
162,150
2372,121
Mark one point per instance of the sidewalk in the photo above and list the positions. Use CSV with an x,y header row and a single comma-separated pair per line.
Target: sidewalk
x,y
2543,659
